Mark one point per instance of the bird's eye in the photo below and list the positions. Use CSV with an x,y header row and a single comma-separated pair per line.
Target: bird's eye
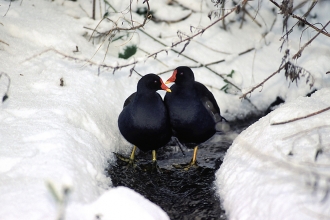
x,y
155,81
181,73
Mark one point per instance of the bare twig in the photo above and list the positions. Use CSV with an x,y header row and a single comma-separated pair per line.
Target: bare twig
x,y
7,9
155,19
4,42
303,117
210,48
130,11
186,39
93,13
149,54
261,83
220,61
298,54
309,9
78,59
5,96
252,18
117,29
223,12
207,27
302,20
182,40
243,16
209,64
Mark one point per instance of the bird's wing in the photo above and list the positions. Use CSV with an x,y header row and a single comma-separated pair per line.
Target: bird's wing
x,y
129,99
208,101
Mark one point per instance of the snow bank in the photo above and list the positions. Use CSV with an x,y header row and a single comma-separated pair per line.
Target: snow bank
x,y
280,171
58,128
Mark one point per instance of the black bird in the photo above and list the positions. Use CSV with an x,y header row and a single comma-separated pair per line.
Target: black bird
x,y
193,110
144,121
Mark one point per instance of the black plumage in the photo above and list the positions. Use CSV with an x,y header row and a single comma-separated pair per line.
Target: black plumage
x,y
144,120
193,109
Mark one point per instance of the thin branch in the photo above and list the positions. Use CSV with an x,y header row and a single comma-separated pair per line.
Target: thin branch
x,y
209,64
184,47
302,20
117,29
298,54
100,8
171,21
190,37
4,42
243,16
93,13
303,117
207,27
223,60
5,96
130,11
252,18
210,48
187,39
260,84
223,11
8,8
79,59
132,27
149,54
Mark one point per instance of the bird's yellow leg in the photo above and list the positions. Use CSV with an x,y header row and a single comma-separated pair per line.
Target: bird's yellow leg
x,y
193,161
129,160
132,157
155,167
154,156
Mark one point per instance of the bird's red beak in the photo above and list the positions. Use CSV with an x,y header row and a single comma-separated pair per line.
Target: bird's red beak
x,y
172,78
164,87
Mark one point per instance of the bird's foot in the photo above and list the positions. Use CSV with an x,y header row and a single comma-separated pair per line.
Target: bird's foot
x,y
152,168
130,163
187,166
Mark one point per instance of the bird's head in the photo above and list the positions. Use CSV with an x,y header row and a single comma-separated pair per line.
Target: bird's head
x,y
182,75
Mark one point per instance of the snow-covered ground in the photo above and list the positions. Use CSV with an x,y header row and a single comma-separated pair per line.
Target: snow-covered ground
x,y
280,171
58,127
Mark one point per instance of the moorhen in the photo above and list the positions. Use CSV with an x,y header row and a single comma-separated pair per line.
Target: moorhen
x,y
144,120
194,112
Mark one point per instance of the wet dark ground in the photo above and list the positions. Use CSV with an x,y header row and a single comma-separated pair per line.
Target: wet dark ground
x,y
181,194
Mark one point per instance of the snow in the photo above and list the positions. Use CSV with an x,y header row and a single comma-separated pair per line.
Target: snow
x,y
271,170
58,127
119,203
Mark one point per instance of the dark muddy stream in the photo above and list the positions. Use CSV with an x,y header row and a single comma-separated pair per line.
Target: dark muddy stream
x,y
181,194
